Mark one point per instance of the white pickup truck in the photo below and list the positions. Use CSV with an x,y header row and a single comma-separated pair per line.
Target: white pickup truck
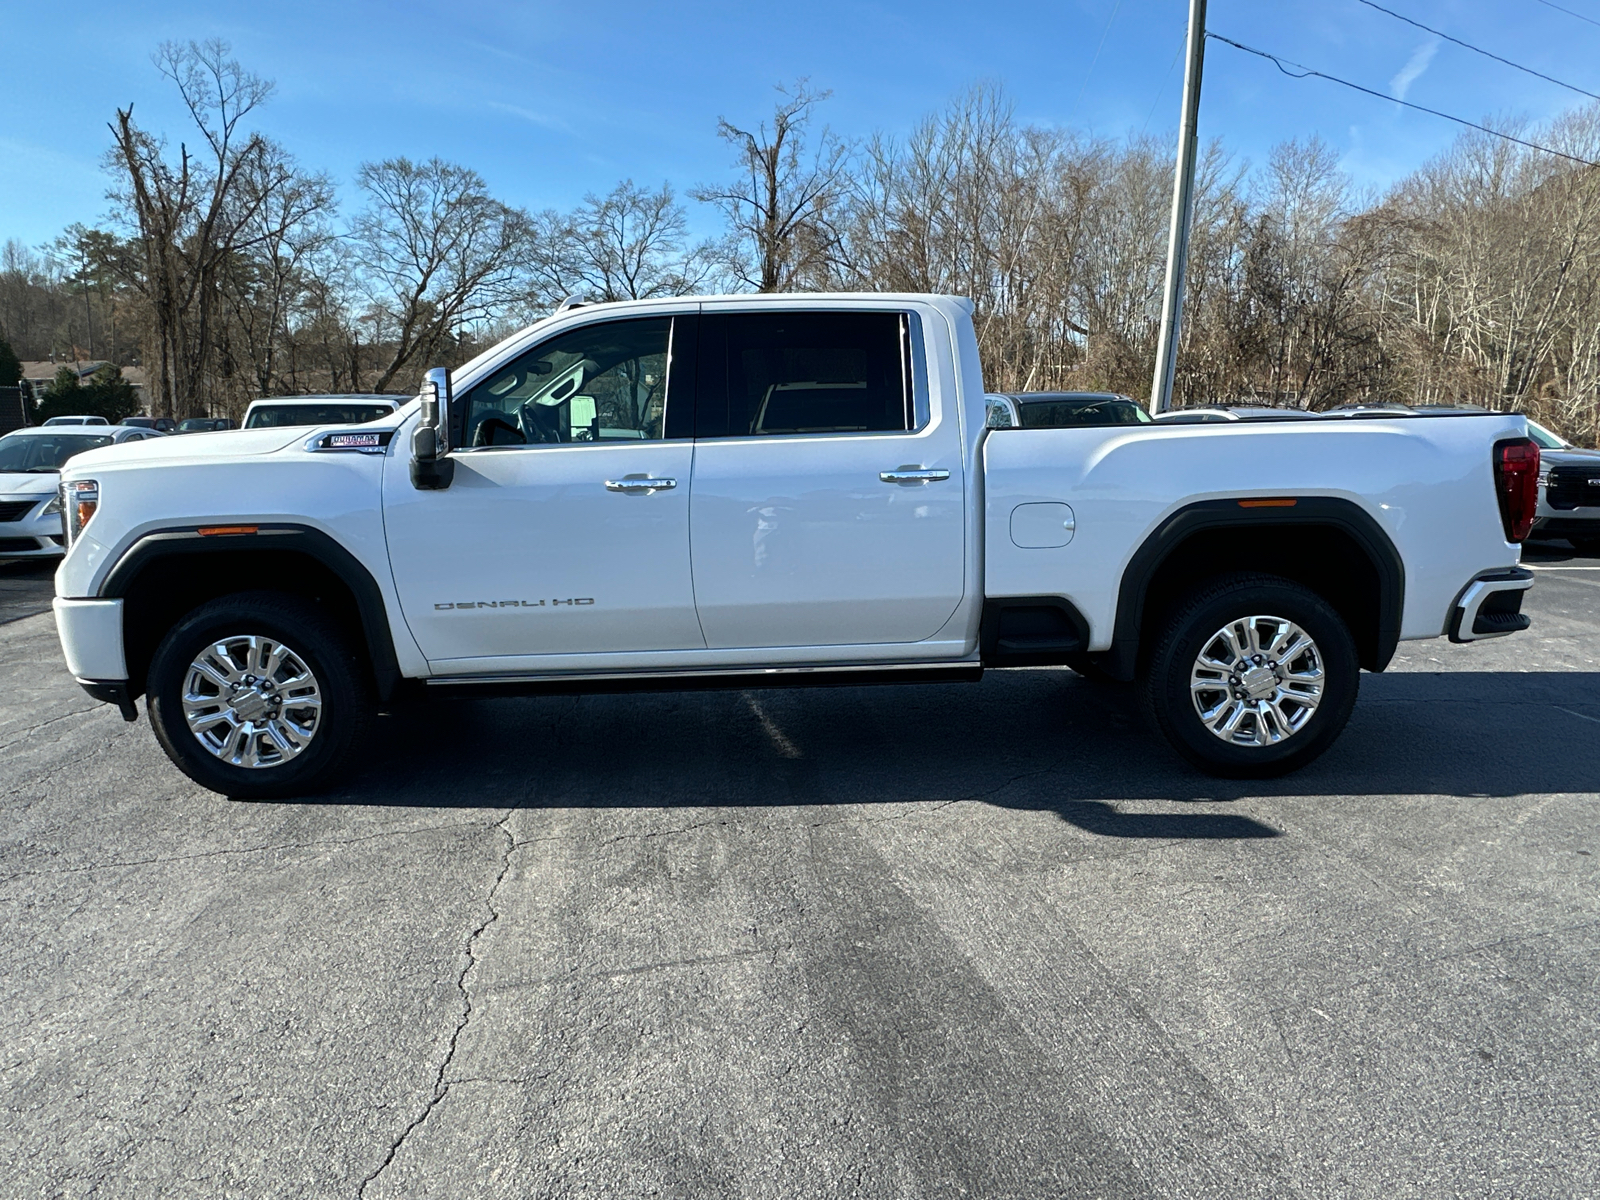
x,y
752,491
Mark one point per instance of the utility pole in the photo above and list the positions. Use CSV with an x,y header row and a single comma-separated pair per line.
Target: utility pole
x,y
1182,214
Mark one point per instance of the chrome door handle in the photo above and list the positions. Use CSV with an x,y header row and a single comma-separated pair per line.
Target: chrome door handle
x,y
919,475
640,485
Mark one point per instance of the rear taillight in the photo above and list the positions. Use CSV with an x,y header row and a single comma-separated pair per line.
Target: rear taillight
x,y
1516,482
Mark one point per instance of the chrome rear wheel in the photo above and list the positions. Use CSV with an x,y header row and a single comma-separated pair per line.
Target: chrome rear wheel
x,y
1250,676
1257,680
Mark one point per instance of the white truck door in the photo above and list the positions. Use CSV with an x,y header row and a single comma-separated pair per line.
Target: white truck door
x,y
566,527
828,494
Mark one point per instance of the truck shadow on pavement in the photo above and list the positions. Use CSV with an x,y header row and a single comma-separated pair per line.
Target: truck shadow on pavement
x,y
1040,740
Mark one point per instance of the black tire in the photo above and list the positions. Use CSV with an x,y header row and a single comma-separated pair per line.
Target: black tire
x,y
1589,546
340,675
1165,691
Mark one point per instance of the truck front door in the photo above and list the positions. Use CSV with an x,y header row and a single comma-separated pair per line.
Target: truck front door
x,y
565,529
828,502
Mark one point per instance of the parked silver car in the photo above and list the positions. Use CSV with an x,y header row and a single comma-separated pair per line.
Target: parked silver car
x,y
30,474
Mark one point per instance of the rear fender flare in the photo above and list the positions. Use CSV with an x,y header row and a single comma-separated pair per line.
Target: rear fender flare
x,y
1121,660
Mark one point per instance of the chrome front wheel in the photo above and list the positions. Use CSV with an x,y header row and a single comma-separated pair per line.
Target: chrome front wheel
x,y
1257,680
252,701
260,695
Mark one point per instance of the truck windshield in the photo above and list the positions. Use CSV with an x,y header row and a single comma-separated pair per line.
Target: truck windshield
x,y
272,416
37,453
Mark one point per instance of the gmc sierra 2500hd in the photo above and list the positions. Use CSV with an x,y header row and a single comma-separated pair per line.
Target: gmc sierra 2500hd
x,y
760,490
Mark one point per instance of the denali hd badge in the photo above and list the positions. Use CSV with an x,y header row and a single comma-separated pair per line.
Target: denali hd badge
x,y
476,604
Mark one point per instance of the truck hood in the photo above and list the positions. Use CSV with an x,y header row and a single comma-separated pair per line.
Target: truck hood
x,y
188,447
28,483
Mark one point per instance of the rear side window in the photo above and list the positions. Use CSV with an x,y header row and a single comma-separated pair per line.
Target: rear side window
x,y
777,374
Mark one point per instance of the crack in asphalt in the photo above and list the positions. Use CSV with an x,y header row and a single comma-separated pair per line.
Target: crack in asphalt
x,y
23,734
442,1085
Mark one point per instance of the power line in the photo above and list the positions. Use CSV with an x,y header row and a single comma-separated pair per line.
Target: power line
x,y
1479,50
1175,54
1303,72
1105,33
1569,12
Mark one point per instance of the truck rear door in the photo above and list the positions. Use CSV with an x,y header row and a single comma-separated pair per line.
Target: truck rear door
x,y
828,499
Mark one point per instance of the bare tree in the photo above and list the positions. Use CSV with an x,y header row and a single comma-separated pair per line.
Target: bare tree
x,y
437,253
630,244
263,285
186,212
779,207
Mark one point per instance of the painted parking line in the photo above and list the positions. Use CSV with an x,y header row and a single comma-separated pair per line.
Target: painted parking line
x,y
1543,567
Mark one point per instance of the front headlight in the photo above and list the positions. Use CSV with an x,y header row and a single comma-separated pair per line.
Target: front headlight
x,y
80,498
51,509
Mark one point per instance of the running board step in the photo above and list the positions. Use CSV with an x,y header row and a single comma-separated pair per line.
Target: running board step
x,y
721,680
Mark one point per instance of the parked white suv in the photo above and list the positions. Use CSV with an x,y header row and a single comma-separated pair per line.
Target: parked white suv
x,y
747,491
333,409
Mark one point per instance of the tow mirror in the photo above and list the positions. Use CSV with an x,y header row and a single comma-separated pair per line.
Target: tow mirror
x,y
432,468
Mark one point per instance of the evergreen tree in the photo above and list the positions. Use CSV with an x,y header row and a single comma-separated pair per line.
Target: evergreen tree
x,y
10,365
106,394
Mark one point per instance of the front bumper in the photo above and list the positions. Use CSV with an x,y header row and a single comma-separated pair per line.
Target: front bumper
x,y
34,536
1491,606
91,639
1569,522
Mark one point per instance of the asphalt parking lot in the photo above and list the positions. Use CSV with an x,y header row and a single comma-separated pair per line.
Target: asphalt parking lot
x,y
970,940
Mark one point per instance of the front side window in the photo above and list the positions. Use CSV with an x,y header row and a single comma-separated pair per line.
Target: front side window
x,y
600,383
765,374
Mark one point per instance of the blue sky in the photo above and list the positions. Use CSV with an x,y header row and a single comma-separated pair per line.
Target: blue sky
x,y
549,101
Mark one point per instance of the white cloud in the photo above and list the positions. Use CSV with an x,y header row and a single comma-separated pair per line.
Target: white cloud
x,y
534,118
1419,61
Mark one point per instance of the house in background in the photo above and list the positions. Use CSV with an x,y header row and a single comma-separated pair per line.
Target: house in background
x,y
37,376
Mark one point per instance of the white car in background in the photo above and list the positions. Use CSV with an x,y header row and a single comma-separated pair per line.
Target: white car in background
x,y
354,408
30,474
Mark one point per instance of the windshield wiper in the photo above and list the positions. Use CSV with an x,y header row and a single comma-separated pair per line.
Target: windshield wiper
x,y
40,470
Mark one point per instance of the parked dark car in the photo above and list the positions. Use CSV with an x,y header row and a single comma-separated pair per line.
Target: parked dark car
x,y
1064,410
203,425
1212,414
1569,491
159,424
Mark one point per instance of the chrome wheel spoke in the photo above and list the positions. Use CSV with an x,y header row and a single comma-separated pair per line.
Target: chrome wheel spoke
x,y
1230,637
271,655
207,669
